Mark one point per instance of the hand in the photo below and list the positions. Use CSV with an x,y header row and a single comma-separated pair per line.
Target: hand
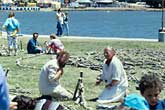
x,y
98,81
13,105
60,70
108,86
14,33
3,27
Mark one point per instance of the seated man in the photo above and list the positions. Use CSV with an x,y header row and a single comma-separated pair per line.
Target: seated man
x,y
54,45
50,75
33,45
5,103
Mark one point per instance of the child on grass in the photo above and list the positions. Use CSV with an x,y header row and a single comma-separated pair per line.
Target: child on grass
x,y
150,87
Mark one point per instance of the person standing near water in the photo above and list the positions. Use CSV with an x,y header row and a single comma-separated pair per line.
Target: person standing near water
x,y
66,26
60,22
12,28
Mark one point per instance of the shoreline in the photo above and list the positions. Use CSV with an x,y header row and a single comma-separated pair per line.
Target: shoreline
x,y
104,9
87,37
128,8
111,9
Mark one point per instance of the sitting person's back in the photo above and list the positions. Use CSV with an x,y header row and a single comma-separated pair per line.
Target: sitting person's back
x,y
54,45
33,45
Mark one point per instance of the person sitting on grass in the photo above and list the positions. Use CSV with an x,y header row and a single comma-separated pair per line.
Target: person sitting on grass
x,y
54,45
49,80
150,87
114,76
5,103
33,45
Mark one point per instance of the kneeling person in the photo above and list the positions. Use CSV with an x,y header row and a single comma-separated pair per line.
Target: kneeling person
x,y
50,75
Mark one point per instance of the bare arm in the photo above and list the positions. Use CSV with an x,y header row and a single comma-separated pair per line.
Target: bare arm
x,y
13,105
58,73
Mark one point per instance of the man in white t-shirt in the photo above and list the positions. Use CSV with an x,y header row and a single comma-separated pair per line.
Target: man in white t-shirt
x,y
51,72
114,76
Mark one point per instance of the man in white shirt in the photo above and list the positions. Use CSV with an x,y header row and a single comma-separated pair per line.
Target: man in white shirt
x,y
114,76
49,81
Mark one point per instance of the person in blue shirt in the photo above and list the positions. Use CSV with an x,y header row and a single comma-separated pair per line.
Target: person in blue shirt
x,y
134,101
150,87
12,28
5,103
33,45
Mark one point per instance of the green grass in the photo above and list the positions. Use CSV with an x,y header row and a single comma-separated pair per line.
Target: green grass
x,y
26,79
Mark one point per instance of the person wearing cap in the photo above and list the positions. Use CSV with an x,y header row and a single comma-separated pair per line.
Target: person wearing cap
x,y
50,75
33,45
54,45
5,103
114,75
12,28
150,87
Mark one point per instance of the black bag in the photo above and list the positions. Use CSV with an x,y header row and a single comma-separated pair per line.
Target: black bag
x,y
24,102
40,103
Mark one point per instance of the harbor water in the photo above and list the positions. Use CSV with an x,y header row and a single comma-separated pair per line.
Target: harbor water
x,y
122,24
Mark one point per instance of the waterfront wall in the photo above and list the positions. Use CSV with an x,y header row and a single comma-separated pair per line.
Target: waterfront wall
x,y
20,8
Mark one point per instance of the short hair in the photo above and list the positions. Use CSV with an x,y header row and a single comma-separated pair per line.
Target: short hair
x,y
60,54
150,81
35,33
63,53
110,48
11,14
59,10
53,36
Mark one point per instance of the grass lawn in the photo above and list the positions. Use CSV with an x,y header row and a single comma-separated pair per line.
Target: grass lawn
x,y
25,80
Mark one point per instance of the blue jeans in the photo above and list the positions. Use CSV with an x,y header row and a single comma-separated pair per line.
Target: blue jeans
x,y
59,29
66,28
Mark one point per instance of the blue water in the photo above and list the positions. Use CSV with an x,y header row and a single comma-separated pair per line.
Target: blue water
x,y
123,24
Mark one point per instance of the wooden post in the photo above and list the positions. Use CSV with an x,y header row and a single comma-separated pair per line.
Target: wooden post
x,y
161,35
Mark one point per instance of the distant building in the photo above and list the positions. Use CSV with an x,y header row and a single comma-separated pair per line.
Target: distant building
x,y
85,3
44,3
7,1
103,3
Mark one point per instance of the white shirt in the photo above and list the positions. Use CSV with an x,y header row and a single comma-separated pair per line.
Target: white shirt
x,y
47,81
114,71
60,18
57,44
